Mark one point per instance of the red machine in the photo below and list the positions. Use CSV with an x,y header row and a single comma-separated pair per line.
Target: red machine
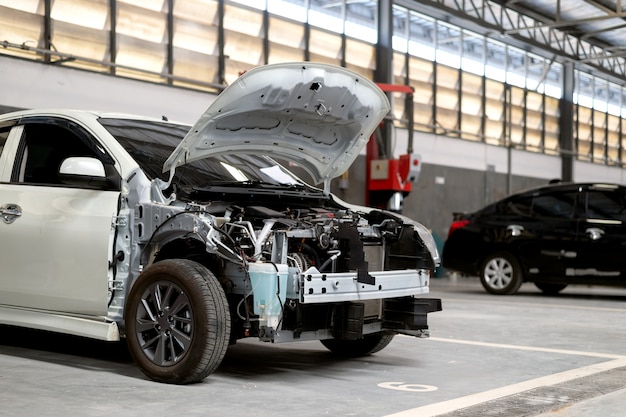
x,y
389,180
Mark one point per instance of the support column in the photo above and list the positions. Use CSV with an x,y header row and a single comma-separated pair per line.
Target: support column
x,y
566,123
384,65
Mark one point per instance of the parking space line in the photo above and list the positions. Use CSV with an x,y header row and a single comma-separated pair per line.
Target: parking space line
x,y
443,407
548,305
529,348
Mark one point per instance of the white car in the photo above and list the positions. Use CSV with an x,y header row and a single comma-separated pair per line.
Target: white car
x,y
185,239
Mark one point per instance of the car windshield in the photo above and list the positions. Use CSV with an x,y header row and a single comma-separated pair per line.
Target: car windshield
x,y
150,143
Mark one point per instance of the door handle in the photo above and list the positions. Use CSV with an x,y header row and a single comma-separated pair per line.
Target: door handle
x,y
515,229
10,212
594,233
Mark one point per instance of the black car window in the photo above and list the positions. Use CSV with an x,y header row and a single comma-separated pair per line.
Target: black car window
x,y
521,205
551,204
4,134
606,204
150,143
43,148
555,205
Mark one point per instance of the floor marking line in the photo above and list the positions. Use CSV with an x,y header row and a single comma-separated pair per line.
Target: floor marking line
x,y
528,348
528,304
444,407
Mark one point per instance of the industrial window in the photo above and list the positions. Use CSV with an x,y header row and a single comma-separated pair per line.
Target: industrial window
x,y
583,133
516,121
494,112
534,121
243,44
421,75
471,106
20,24
325,47
447,90
195,41
286,40
613,139
551,125
599,136
81,29
361,57
141,37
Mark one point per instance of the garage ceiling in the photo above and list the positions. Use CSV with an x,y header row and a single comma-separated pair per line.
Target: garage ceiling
x,y
591,34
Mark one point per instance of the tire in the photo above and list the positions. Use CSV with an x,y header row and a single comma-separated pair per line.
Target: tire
x,y
177,322
550,288
360,347
501,274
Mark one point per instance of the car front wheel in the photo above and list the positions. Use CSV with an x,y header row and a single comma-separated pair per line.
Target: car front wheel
x,y
501,274
177,322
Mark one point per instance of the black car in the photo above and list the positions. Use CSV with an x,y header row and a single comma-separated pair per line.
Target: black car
x,y
554,235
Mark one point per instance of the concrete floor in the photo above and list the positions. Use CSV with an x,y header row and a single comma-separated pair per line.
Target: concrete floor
x,y
521,355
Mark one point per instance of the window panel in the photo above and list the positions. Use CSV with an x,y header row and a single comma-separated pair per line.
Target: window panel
x,y
234,16
471,106
494,112
141,23
195,28
286,33
82,42
29,6
140,40
243,51
361,57
516,122
447,99
286,41
551,125
201,11
325,46
195,66
92,14
140,55
21,27
599,136
584,132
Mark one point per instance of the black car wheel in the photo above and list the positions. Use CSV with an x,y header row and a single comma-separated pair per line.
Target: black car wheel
x,y
501,274
360,347
177,322
549,288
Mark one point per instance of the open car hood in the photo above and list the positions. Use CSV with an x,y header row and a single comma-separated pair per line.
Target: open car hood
x,y
318,116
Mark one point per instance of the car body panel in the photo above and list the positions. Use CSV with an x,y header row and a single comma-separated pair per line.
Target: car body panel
x,y
72,245
317,116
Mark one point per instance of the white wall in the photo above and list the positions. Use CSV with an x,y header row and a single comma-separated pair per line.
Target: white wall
x,y
444,151
27,84
588,172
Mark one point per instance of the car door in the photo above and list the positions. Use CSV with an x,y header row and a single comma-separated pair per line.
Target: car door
x,y
545,235
55,239
602,235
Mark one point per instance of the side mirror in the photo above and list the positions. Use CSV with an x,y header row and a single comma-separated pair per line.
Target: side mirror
x,y
82,166
81,171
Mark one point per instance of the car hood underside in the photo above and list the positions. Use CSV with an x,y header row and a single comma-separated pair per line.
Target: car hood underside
x,y
318,116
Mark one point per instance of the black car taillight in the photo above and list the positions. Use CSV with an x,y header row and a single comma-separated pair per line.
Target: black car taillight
x,y
457,225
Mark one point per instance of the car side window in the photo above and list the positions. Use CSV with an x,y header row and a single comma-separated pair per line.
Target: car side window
x,y
606,204
557,204
43,149
4,134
